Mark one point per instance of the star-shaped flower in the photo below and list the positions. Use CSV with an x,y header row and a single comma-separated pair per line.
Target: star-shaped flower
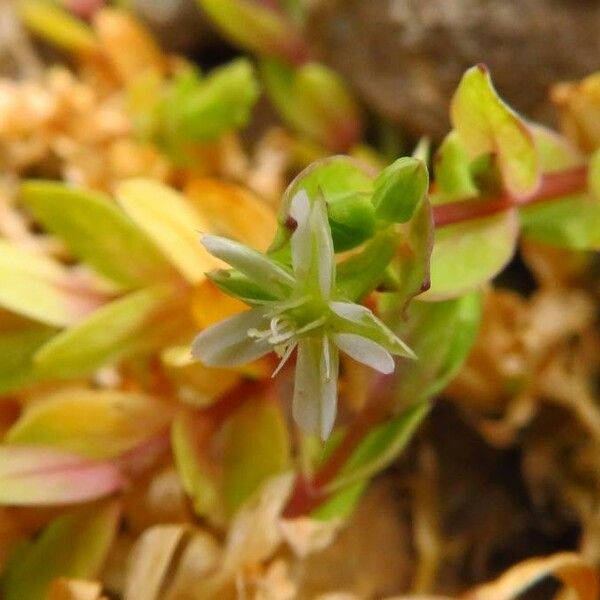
x,y
305,314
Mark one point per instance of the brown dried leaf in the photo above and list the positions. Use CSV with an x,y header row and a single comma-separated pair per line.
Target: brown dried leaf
x,y
569,568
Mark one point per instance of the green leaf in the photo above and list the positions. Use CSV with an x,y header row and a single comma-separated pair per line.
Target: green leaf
x,y
467,255
40,476
171,221
203,109
105,336
199,478
16,355
485,124
399,189
313,100
441,334
74,545
41,289
361,273
93,423
322,93
341,504
256,446
380,447
572,222
255,27
96,232
347,189
53,23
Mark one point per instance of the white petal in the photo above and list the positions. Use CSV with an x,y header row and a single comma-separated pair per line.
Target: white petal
x,y
349,310
315,394
265,272
227,343
361,321
300,241
323,245
365,351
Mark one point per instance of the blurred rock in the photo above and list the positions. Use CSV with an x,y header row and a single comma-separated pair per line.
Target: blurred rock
x,y
406,56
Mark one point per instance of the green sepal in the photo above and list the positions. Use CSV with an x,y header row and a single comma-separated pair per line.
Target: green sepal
x,y
399,189
361,273
235,284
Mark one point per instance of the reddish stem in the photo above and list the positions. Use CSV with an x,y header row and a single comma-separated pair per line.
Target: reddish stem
x,y
273,5
308,494
552,185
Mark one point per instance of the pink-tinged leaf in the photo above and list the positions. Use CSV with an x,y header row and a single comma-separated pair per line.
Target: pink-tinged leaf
x,y
31,475
99,424
485,124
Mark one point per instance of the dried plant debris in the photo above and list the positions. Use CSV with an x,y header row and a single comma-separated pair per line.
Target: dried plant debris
x,y
235,366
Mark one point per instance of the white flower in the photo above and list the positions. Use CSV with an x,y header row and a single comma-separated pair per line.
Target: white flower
x,y
305,315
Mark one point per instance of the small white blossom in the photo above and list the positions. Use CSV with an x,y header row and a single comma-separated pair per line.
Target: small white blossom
x,y
305,315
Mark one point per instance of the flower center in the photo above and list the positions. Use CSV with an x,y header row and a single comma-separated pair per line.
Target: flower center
x,y
288,322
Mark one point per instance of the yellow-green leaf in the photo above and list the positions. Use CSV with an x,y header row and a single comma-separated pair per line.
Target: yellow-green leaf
x,y
104,337
93,423
16,355
256,446
53,23
74,545
41,289
485,124
467,255
255,27
96,231
199,479
171,221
